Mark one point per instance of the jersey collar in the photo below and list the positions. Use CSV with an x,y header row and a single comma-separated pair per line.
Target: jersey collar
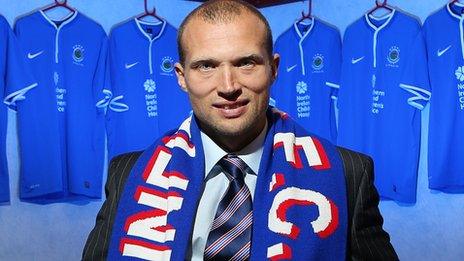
x,y
297,30
388,16
453,14
139,22
69,18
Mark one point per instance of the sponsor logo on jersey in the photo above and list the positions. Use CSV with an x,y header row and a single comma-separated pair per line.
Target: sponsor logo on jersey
x,y
303,100
130,65
56,78
33,55
318,62
167,64
460,73
78,53
151,98
290,68
393,55
301,87
443,51
460,76
357,60
149,85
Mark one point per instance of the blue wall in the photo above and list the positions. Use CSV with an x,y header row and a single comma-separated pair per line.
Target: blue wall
x,y
432,229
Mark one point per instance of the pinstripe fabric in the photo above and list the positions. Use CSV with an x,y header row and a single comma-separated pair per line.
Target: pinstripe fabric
x,y
366,238
96,247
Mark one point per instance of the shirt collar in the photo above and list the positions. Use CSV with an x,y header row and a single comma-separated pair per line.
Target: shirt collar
x,y
251,154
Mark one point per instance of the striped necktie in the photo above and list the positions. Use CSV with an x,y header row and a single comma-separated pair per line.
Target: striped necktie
x,y
230,234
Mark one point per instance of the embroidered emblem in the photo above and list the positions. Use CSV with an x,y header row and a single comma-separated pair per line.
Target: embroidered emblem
x,y
394,55
78,53
318,62
167,64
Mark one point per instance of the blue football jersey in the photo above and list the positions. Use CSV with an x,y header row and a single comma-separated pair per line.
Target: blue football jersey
x,y
377,116
444,34
308,78
147,100
61,122
14,75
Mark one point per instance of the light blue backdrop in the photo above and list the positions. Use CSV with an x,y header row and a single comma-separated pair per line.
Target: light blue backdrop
x,y
432,229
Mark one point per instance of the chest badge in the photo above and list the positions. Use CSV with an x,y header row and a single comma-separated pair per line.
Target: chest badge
x,y
78,54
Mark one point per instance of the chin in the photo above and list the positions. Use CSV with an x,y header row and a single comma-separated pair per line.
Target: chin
x,y
236,128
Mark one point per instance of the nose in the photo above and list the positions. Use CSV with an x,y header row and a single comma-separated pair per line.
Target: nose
x,y
229,87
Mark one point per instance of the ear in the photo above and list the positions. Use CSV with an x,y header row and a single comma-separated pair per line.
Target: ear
x,y
180,76
275,66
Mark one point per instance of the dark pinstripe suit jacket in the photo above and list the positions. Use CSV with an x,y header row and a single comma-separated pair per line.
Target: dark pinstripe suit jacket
x,y
366,238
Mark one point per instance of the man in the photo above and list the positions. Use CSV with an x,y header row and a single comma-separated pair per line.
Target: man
x,y
237,180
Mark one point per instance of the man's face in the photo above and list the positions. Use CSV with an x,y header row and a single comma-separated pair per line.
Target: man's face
x,y
227,74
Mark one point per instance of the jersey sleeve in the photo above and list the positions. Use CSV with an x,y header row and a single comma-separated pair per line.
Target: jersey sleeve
x,y
117,102
101,83
415,79
333,77
17,76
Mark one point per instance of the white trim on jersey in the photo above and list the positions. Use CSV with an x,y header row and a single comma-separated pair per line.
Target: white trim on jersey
x,y
420,94
138,22
333,85
118,106
461,24
67,19
300,42
18,95
388,16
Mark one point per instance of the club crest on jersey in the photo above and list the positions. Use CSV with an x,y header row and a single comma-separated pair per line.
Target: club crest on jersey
x,y
149,85
167,64
393,56
78,53
318,62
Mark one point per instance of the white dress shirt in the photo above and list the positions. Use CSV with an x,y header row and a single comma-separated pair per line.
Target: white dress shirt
x,y
217,184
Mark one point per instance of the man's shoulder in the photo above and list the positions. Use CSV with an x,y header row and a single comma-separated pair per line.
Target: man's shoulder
x,y
125,161
356,165
350,157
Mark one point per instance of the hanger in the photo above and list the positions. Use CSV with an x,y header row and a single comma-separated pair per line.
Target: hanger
x,y
148,13
59,4
308,15
379,5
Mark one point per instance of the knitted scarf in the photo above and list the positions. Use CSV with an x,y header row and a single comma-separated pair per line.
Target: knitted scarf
x,y
300,210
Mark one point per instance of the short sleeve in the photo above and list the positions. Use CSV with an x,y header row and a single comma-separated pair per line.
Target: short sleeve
x,y
101,82
415,79
117,102
17,76
333,74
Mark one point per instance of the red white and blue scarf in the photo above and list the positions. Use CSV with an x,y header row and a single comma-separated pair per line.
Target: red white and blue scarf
x,y
300,210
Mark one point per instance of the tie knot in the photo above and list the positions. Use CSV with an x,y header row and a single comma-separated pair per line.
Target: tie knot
x,y
234,166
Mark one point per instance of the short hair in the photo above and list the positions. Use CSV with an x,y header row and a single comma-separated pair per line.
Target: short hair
x,y
222,11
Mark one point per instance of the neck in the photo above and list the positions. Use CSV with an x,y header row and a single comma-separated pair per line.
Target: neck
x,y
235,142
